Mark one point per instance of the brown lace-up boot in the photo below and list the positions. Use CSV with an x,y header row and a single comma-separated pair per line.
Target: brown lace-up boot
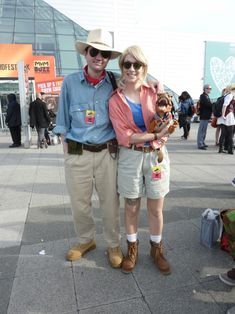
x,y
131,257
160,261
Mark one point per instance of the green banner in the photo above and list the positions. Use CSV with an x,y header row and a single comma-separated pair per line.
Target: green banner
x,y
219,68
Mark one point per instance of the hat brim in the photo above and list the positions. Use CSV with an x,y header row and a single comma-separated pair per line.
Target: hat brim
x,y
81,48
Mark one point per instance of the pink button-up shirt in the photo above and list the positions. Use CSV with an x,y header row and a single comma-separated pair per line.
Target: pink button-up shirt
x,y
122,118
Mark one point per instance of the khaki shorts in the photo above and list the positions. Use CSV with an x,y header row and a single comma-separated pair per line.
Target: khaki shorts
x,y
140,174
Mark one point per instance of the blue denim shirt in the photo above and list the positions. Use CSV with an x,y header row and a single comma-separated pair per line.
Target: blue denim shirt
x,y
77,96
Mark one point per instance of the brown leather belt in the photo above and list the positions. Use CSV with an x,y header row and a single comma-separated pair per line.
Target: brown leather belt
x,y
94,148
143,149
77,148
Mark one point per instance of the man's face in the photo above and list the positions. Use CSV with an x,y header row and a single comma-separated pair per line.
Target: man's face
x,y
96,59
208,90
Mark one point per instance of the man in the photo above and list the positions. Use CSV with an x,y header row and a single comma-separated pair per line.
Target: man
x,y
88,136
13,120
205,115
39,118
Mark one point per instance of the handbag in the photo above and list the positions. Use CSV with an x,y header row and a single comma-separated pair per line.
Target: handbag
x,y
214,122
210,227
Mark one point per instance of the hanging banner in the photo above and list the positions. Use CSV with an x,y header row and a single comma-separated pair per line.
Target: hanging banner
x,y
41,68
219,66
50,87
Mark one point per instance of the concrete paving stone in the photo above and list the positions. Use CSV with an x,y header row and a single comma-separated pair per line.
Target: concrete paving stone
x,y
130,306
11,235
5,293
223,294
47,291
204,263
103,284
150,279
45,255
34,231
181,234
231,310
183,300
8,261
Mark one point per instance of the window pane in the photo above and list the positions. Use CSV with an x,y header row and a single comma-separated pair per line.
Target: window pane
x,y
24,26
6,25
6,38
45,42
63,72
7,11
25,12
64,27
24,39
8,2
60,16
69,59
41,3
43,14
44,27
66,42
80,33
25,2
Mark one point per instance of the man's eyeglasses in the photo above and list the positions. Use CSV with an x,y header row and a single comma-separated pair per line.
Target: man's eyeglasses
x,y
136,65
94,52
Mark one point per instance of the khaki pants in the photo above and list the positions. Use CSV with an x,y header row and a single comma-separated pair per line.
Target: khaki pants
x,y
80,170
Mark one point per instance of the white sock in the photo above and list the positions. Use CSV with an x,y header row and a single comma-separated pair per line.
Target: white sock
x,y
131,237
156,238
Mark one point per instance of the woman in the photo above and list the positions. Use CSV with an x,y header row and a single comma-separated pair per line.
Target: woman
x,y
227,120
186,107
131,110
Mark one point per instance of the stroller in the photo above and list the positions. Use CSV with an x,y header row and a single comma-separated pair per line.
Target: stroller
x,y
51,138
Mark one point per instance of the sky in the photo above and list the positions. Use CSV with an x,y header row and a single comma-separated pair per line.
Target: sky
x,y
171,33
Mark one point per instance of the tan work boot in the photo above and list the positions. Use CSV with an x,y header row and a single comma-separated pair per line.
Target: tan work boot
x,y
158,258
131,257
76,252
115,257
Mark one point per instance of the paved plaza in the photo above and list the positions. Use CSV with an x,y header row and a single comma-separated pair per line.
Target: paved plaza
x,y
36,231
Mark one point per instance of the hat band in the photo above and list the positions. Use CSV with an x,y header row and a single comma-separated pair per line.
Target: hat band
x,y
99,43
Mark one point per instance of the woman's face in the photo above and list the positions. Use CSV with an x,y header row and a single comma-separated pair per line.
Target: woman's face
x,y
233,92
132,70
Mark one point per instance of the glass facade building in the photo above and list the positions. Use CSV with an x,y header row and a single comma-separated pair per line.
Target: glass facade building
x,y
49,31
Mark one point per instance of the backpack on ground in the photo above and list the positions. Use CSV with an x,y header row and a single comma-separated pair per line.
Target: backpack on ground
x,y
217,106
228,219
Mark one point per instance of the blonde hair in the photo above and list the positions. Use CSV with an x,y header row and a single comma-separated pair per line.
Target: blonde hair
x,y
137,53
229,88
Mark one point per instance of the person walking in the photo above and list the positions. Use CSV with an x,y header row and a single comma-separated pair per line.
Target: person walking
x,y
205,115
39,118
227,121
89,145
131,110
13,120
186,110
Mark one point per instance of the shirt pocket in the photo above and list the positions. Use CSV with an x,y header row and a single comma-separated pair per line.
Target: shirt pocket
x,y
78,114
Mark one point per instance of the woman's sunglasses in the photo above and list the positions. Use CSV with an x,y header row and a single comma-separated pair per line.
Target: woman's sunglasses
x,y
136,65
94,52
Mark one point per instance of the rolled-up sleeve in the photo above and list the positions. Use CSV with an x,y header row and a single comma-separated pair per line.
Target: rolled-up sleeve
x,y
63,117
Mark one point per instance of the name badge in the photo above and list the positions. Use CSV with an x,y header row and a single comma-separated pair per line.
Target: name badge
x,y
156,173
90,117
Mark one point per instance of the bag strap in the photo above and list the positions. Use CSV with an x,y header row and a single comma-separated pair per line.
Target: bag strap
x,y
112,80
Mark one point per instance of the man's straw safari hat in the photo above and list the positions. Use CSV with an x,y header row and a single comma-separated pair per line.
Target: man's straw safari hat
x,y
99,39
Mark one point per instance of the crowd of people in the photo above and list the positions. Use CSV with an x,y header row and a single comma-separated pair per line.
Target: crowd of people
x,y
95,119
